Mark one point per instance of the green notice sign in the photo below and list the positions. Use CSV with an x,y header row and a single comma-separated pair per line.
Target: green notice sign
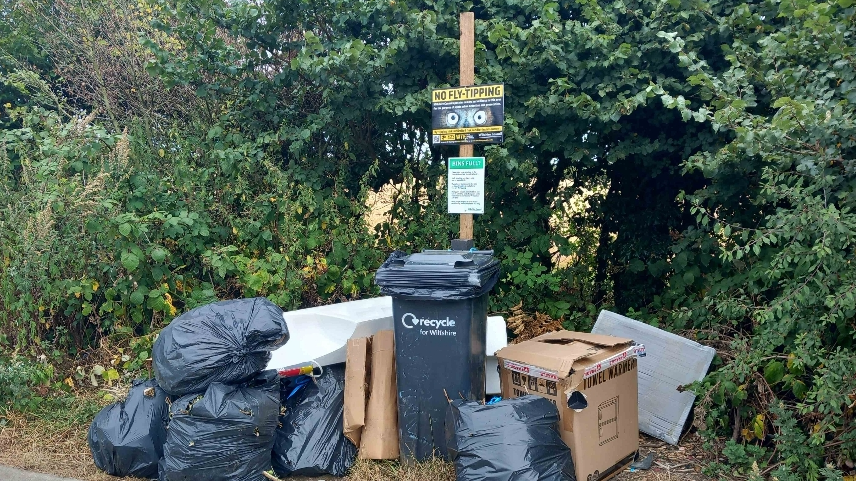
x,y
466,163
466,185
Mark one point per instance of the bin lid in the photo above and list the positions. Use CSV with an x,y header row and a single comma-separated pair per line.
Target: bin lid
x,y
443,261
438,275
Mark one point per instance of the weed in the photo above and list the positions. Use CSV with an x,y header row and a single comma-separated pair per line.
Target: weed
x,y
23,383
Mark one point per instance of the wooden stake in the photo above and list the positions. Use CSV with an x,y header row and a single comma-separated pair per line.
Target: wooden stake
x,y
468,46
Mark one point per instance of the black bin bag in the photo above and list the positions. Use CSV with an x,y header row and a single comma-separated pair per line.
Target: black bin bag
x,y
512,440
223,434
226,342
310,440
438,275
126,438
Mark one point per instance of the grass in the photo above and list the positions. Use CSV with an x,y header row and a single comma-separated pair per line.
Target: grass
x,y
51,438
365,470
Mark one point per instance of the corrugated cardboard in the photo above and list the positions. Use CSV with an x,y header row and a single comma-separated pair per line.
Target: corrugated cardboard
x,y
380,436
598,373
674,361
356,388
371,413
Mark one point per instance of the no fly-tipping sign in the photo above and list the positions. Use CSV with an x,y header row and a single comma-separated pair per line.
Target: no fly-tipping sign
x,y
467,115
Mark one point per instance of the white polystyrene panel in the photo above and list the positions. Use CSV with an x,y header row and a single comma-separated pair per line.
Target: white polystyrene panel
x,y
321,333
496,340
670,361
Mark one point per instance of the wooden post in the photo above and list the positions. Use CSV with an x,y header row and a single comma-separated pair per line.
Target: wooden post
x,y
468,45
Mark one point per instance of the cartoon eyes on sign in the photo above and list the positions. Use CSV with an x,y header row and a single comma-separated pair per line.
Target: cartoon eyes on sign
x,y
463,118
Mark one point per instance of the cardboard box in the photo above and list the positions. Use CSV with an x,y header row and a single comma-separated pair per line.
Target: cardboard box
x,y
371,413
597,376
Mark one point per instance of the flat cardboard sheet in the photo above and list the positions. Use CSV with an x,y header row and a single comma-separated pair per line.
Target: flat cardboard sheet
x,y
671,361
371,414
356,388
380,436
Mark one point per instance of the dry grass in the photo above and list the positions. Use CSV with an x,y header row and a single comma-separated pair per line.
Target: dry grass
x,y
53,441
436,470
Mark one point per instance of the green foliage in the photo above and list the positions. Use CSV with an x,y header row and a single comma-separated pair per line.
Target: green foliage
x,y
767,272
18,46
20,379
64,201
325,98
159,231
299,245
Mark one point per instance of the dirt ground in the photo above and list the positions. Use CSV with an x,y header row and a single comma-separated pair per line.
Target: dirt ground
x,y
671,463
58,446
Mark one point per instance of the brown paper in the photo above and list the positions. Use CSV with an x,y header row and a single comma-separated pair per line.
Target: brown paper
x,y
356,388
380,436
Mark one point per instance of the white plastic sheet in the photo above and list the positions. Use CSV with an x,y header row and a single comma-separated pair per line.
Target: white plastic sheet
x,y
671,361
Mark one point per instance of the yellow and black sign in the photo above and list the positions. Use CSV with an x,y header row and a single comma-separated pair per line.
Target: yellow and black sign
x,y
468,115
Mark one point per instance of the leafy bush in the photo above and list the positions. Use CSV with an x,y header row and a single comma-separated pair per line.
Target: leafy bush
x,y
21,381
767,274
131,238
